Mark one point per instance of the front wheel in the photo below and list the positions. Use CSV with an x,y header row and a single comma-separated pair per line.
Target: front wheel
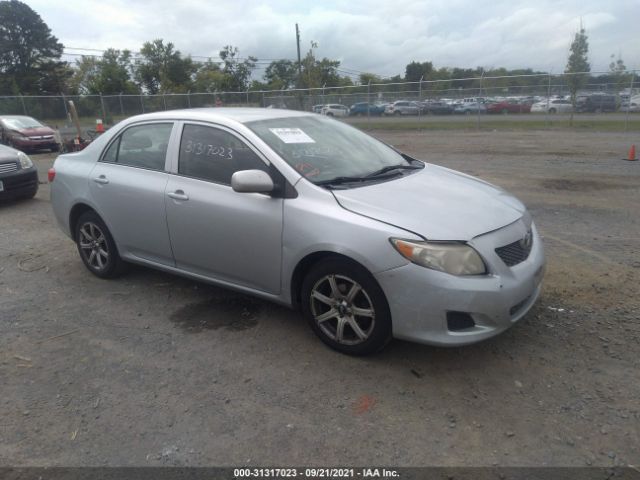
x,y
346,307
96,246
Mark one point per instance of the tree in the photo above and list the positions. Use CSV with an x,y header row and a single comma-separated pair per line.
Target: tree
x,y
162,69
237,73
577,66
416,71
29,53
110,74
281,74
209,78
619,72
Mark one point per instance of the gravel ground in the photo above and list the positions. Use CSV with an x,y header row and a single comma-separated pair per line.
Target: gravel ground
x,y
153,369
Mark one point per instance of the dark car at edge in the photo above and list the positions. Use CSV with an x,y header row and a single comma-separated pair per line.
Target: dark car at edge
x,y
18,175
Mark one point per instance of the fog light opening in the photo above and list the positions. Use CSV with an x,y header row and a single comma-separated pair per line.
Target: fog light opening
x,y
458,321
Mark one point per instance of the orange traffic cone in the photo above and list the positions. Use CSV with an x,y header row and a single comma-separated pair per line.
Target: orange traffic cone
x,y
632,154
99,126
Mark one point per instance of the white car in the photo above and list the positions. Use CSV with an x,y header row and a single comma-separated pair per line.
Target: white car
x,y
335,110
556,105
634,106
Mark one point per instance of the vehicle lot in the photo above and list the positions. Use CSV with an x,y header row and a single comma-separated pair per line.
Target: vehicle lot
x,y
153,369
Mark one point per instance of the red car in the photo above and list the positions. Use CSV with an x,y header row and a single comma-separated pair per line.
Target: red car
x,y
26,134
509,106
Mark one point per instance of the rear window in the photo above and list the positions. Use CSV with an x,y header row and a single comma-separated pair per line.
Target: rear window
x,y
142,146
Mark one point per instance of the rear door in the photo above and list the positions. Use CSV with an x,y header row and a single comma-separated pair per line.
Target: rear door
x,y
127,186
215,231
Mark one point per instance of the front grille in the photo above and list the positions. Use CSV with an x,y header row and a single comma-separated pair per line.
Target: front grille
x,y
8,167
516,252
41,137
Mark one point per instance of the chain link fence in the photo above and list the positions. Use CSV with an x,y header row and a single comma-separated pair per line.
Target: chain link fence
x,y
484,90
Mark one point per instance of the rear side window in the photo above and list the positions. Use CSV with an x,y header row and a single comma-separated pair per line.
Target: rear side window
x,y
214,155
142,146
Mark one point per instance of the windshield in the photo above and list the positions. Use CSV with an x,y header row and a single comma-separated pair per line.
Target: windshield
x,y
19,123
322,149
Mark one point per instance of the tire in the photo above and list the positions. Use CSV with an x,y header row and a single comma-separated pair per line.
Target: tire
x,y
96,247
552,111
56,148
397,113
326,292
329,114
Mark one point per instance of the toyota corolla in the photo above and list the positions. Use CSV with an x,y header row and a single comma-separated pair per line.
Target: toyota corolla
x,y
306,211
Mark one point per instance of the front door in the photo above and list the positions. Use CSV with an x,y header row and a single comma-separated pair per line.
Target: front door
x,y
215,231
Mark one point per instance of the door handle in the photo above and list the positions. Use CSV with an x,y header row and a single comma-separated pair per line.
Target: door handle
x,y
102,180
178,195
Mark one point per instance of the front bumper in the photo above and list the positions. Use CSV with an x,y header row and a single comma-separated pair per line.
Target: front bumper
x,y
21,183
420,298
33,144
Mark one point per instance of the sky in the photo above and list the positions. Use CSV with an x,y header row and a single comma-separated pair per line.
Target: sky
x,y
377,36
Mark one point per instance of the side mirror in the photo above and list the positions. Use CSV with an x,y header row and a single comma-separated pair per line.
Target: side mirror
x,y
252,181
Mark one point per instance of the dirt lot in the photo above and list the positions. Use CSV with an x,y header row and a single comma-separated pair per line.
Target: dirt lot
x,y
153,369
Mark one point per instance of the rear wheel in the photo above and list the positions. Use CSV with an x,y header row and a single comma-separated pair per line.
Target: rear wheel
x,y
97,247
346,307
552,110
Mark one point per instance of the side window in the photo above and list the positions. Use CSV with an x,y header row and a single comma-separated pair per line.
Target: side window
x,y
143,146
212,154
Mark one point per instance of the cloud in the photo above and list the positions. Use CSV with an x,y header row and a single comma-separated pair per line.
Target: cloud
x,y
377,36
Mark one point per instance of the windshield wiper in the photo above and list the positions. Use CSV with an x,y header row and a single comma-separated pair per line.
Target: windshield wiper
x,y
340,180
391,168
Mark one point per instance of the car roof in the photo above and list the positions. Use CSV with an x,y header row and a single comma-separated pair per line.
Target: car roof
x,y
240,115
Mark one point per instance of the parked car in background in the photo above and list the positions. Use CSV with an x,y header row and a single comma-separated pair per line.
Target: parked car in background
x,y
402,107
27,134
364,108
596,102
335,110
508,106
632,106
438,108
307,212
555,105
469,108
18,175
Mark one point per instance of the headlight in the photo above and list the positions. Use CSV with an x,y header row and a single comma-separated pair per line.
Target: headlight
x,y
453,258
25,161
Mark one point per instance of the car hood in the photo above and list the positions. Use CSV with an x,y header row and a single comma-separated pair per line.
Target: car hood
x,y
38,131
435,203
8,153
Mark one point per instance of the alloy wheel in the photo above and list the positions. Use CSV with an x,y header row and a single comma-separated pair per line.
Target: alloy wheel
x,y
342,309
93,245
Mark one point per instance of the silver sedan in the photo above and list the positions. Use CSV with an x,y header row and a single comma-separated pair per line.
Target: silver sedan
x,y
308,212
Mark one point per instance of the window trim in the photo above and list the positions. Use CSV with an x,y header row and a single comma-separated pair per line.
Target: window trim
x,y
118,137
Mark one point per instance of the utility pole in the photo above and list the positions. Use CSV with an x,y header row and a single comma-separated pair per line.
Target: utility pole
x,y
299,61
300,101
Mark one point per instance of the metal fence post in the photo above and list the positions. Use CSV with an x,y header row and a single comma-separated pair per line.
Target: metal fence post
x,y
247,97
478,99
546,112
24,108
64,104
121,106
189,99
164,101
142,101
369,101
104,112
626,117
420,96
